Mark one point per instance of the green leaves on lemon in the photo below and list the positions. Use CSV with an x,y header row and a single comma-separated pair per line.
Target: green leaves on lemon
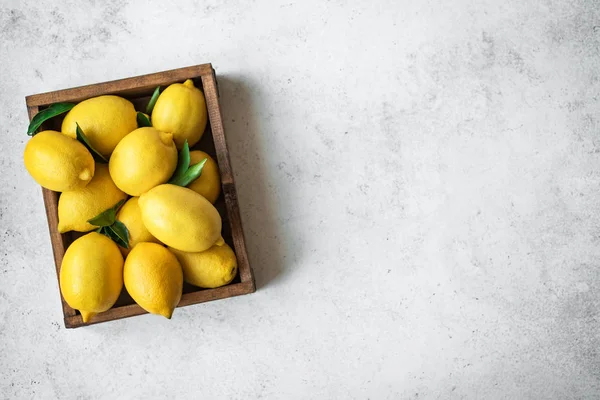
x,y
143,120
110,227
184,174
44,115
84,140
152,101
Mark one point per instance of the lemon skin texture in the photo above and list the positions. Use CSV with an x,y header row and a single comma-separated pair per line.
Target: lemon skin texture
x,y
181,110
154,279
211,268
143,159
76,207
104,120
131,215
91,274
57,162
180,218
209,182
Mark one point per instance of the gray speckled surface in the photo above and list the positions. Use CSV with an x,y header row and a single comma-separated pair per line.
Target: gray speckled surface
x,y
419,187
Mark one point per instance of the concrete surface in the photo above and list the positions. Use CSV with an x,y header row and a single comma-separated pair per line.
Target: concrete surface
x,y
418,182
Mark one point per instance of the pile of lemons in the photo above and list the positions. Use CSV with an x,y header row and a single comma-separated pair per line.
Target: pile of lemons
x,y
131,179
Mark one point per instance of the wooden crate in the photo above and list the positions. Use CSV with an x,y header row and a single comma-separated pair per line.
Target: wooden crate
x,y
138,90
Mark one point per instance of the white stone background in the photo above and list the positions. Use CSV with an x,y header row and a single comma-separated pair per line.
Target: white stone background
x,y
418,182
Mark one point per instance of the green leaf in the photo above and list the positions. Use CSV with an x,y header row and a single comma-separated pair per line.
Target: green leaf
x,y
119,233
84,140
44,115
106,217
106,231
153,99
142,120
191,174
183,162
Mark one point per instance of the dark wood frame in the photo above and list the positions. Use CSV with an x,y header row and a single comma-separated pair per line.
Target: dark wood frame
x,y
138,89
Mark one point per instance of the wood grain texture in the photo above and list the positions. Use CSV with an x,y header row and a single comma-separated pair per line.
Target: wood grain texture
x,y
138,89
216,124
128,87
209,83
57,239
187,299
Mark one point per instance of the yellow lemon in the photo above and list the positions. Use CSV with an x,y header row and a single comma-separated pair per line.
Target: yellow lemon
x,y
153,278
58,162
91,274
211,268
181,110
180,218
143,159
105,120
76,207
209,183
131,216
